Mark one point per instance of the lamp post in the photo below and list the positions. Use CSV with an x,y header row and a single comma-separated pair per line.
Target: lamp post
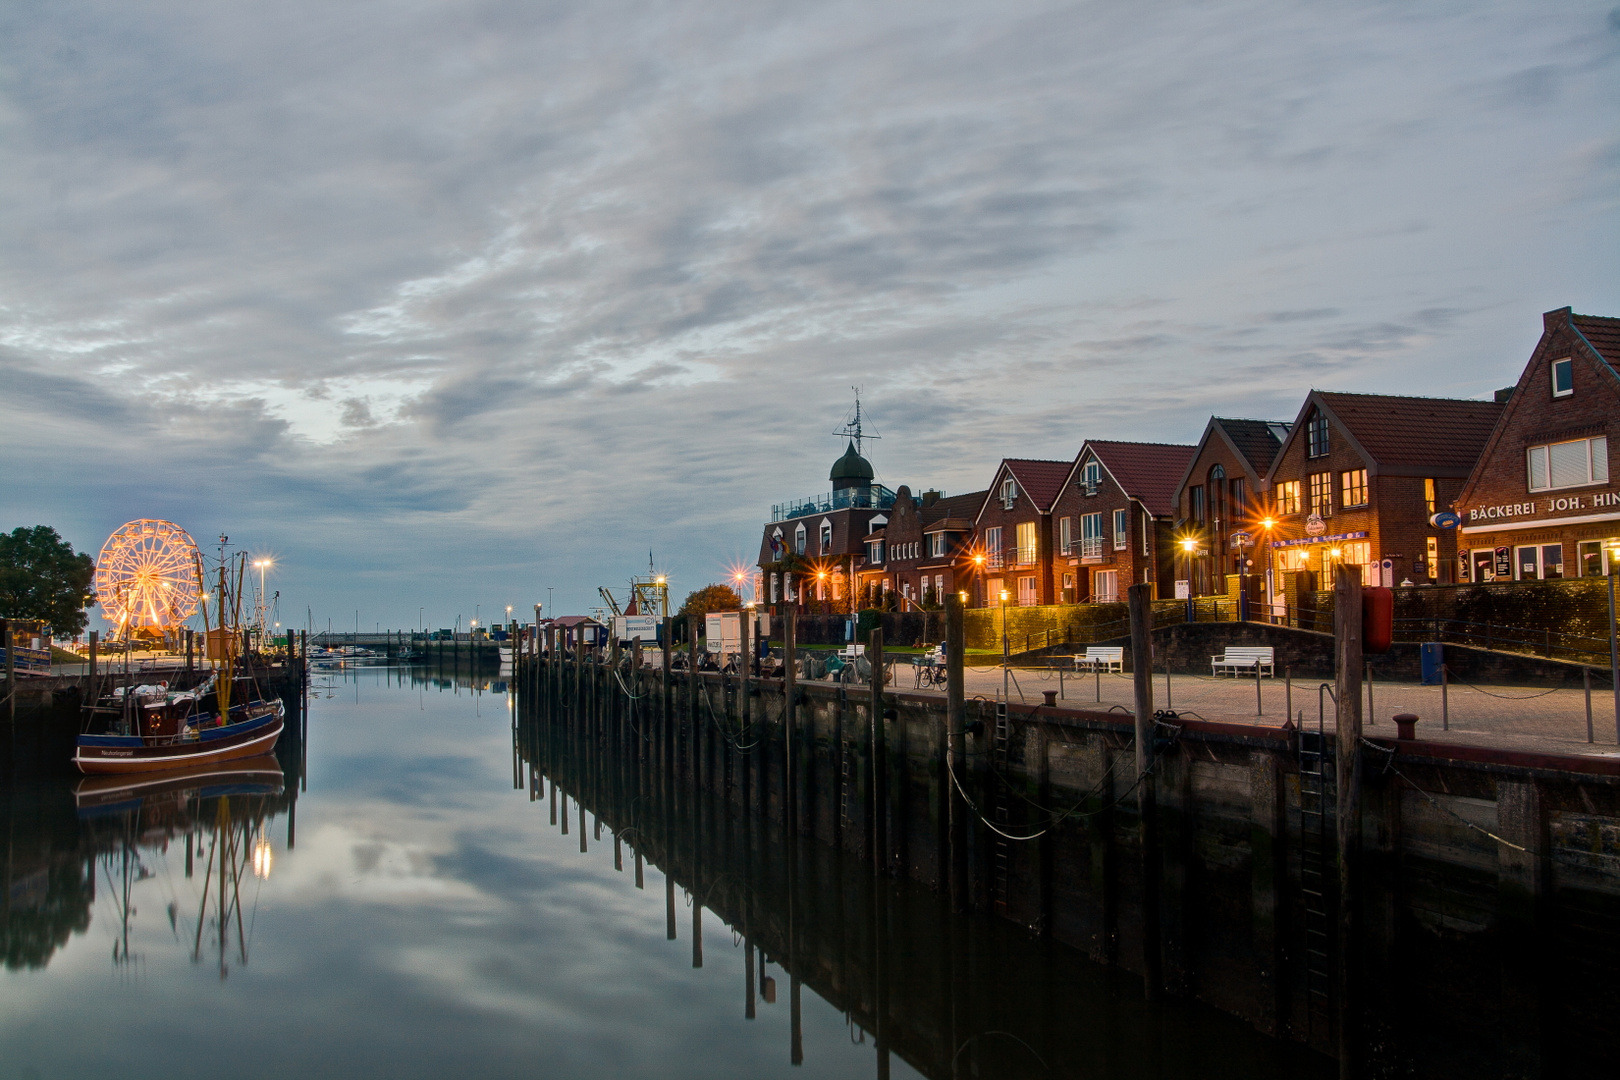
x,y
1005,646
1271,581
1614,636
1190,545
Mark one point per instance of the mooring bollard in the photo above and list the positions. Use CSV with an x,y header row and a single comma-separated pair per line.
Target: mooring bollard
x,y
1406,725
1051,698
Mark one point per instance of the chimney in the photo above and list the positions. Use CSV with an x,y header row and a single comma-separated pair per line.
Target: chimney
x,y
930,497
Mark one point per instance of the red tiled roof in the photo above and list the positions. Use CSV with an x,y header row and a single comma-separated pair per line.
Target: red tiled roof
x,y
1040,479
1443,434
1148,472
1602,333
954,508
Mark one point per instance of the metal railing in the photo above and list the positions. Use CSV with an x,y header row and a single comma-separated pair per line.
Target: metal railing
x,y
1091,547
876,497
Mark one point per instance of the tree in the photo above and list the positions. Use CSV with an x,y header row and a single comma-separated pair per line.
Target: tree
x,y
711,598
41,577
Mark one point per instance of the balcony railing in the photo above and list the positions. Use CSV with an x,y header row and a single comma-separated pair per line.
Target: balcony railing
x,y
1091,547
1008,557
876,497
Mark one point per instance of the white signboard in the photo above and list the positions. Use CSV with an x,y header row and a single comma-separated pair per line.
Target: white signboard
x,y
635,627
723,629
1183,590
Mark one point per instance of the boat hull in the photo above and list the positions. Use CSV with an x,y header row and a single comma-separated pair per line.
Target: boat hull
x,y
103,756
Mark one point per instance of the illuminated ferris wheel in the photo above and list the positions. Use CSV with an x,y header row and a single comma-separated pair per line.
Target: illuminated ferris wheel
x,y
146,578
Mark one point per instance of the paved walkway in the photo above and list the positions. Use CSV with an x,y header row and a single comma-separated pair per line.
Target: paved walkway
x,y
1508,717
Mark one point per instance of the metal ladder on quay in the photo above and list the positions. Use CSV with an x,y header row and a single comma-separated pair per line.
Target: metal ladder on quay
x,y
1318,796
1000,812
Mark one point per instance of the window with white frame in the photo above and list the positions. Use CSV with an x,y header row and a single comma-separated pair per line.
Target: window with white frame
x,y
1027,596
874,551
1091,535
1147,535
1321,493
1009,493
1091,476
936,543
1563,378
1026,543
1122,529
1105,586
1568,464
799,535
1287,497
826,537
1065,535
992,545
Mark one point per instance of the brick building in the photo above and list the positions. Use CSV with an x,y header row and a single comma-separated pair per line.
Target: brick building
x,y
1221,504
1013,531
1542,499
1358,478
1112,522
812,549
947,564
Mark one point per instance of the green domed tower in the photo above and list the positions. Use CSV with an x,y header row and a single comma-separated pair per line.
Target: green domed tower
x,y
851,470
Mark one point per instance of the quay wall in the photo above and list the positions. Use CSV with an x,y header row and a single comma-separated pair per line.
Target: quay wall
x,y
1486,954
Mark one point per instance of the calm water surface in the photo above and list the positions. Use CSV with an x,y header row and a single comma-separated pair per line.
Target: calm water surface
x,y
410,914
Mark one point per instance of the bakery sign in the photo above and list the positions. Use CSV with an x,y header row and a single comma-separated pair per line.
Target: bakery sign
x,y
1601,500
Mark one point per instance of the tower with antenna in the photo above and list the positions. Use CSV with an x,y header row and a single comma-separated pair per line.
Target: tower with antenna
x,y
852,428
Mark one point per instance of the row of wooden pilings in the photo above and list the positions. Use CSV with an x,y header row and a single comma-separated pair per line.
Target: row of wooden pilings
x,y
662,724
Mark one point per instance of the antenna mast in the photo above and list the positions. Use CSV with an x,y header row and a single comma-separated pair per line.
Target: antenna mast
x,y
852,428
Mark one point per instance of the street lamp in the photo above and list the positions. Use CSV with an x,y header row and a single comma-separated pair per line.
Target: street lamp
x,y
1614,636
1189,545
1005,646
1266,526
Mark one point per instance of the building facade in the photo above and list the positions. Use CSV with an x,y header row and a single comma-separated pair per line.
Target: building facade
x,y
813,550
1221,505
1113,521
1542,500
1358,479
1013,532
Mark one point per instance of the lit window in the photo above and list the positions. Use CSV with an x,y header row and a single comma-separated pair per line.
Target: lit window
x,y
1288,497
1563,378
1026,543
1354,486
1428,497
1568,464
1322,493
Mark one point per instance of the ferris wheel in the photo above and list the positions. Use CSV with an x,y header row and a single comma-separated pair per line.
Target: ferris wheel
x,y
146,577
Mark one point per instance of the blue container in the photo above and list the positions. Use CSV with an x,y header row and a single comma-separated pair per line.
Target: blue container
x,y
1433,656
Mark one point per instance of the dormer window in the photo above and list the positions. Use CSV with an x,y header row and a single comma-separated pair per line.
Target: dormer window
x,y
1009,493
1316,435
799,536
1563,378
1091,477
826,537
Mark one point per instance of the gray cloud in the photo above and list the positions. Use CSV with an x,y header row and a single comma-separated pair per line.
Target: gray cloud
x,y
467,299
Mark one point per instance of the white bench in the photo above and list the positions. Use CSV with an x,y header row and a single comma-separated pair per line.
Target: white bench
x,y
1101,658
1258,658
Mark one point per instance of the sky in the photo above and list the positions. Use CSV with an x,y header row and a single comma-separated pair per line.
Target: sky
x,y
446,306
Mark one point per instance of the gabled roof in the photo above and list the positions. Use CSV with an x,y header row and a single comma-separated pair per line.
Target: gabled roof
x,y
1253,441
1602,338
1406,436
1040,479
1600,332
1147,472
955,512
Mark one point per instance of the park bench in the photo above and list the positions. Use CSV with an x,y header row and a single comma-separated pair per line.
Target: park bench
x,y
1257,658
1101,658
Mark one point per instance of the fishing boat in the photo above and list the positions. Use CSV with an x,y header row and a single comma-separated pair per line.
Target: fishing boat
x,y
152,728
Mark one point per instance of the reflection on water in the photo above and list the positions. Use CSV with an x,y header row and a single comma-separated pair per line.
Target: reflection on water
x,y
415,891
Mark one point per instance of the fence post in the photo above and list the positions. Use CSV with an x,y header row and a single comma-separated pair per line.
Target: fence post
x,y
1348,649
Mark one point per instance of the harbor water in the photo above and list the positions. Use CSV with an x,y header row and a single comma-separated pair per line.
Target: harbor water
x,y
411,897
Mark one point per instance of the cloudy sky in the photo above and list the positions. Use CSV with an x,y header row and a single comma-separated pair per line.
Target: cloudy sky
x,y
447,303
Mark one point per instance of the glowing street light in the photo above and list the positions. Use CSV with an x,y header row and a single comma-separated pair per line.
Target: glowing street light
x,y
1614,640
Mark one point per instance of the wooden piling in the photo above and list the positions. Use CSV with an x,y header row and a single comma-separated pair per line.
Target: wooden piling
x,y
1141,619
790,705
955,750
1347,647
878,829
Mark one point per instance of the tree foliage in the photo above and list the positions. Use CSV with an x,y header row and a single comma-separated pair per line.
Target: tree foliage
x,y
711,598
41,577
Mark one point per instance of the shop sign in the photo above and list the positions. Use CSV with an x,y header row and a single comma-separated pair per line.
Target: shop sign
x,y
1601,500
1315,525
1240,540
1319,539
1445,519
